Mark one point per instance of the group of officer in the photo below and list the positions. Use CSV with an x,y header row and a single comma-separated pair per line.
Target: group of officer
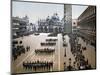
x,y
38,65
51,39
48,44
45,50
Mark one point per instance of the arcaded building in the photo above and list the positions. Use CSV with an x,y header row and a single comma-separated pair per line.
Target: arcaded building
x,y
87,24
19,26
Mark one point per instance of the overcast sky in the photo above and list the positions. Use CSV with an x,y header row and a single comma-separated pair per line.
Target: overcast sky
x,y
77,10
37,11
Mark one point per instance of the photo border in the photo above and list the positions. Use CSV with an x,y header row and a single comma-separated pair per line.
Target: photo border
x,y
47,3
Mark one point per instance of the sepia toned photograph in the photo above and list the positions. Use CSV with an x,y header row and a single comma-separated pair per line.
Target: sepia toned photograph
x,y
52,37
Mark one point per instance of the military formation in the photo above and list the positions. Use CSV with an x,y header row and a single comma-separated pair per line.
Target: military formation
x,y
38,65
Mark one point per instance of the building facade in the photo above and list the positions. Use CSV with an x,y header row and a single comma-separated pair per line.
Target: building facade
x,y
19,26
74,25
87,24
50,24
